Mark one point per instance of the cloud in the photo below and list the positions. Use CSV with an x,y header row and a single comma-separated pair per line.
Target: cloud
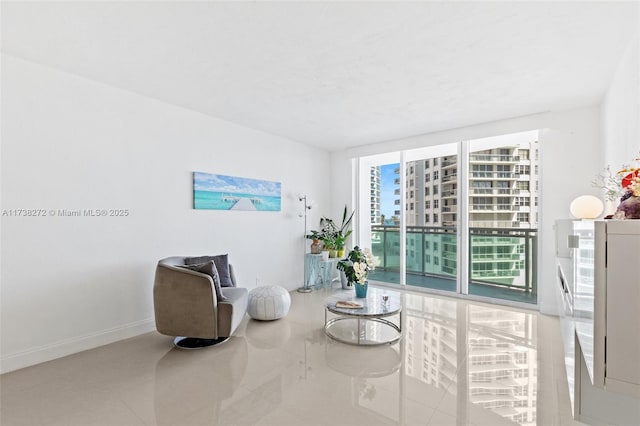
x,y
222,183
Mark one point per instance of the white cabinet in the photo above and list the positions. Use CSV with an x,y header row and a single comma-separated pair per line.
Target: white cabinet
x,y
620,321
599,287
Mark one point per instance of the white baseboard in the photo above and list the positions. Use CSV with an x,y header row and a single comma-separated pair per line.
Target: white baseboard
x,y
73,345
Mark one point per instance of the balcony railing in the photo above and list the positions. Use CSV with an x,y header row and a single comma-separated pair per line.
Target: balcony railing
x,y
494,191
494,158
493,207
499,257
494,223
449,162
494,175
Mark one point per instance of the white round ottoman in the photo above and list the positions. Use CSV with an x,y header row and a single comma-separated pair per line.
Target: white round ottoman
x,y
268,303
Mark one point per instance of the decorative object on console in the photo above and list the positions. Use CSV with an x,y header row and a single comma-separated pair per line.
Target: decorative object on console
x,y
329,231
586,207
317,244
625,184
332,237
356,269
630,201
220,192
316,247
629,207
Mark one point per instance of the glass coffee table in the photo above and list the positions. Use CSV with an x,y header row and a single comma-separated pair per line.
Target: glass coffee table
x,y
367,326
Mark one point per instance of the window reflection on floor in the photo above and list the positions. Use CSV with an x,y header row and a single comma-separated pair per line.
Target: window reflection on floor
x,y
500,372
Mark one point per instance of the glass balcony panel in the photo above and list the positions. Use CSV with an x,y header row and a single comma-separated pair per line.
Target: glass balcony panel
x,y
432,257
503,263
385,237
431,261
385,244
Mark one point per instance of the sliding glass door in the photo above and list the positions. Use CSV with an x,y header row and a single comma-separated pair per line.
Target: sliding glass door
x,y
430,217
503,217
459,217
380,214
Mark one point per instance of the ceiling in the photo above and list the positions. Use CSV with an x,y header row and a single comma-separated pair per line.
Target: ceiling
x,y
336,74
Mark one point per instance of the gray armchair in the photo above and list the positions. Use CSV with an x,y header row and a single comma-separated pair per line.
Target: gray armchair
x,y
186,305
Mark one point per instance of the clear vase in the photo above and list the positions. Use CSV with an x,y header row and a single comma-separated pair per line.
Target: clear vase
x,y
361,290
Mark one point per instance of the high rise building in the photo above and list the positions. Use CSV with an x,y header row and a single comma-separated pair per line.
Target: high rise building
x,y
395,219
503,189
503,194
375,187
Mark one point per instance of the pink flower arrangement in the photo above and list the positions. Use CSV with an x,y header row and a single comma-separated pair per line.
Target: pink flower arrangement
x,y
631,179
625,182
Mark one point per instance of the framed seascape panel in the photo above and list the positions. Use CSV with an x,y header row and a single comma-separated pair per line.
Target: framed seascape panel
x,y
220,192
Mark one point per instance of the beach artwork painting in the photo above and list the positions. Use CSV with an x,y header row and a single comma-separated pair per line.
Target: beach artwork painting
x,y
219,192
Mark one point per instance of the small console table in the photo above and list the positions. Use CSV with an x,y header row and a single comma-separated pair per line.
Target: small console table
x,y
319,272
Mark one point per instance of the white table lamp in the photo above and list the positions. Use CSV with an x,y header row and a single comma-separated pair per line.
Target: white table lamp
x,y
586,207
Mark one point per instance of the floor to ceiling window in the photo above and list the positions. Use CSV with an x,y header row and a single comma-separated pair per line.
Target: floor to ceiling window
x,y
380,212
503,217
459,217
430,208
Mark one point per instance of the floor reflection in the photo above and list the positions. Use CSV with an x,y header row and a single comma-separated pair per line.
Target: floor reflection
x,y
186,372
374,377
482,355
459,363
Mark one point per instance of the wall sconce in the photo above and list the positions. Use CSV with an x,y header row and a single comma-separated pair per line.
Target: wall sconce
x,y
586,207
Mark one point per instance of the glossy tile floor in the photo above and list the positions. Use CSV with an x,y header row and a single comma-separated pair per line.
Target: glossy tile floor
x,y
459,363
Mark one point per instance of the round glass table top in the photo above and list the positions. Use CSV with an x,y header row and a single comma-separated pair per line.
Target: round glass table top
x,y
373,306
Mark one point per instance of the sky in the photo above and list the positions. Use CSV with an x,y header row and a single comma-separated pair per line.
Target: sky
x,y
386,189
233,184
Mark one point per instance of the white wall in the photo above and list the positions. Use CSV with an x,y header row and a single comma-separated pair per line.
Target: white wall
x,y
621,111
569,161
71,283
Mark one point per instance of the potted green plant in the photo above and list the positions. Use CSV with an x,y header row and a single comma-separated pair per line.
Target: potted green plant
x,y
329,231
333,238
343,233
355,270
340,241
316,245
